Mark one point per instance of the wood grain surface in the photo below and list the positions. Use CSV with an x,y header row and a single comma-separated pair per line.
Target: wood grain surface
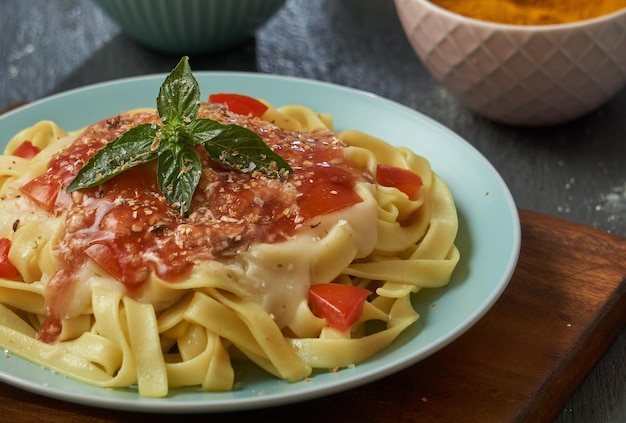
x,y
561,310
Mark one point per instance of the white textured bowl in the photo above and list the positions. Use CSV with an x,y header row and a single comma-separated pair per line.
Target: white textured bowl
x,y
190,26
520,75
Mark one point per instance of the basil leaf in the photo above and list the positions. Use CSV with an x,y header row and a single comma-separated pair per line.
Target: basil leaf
x,y
205,130
237,147
134,147
179,167
178,175
179,95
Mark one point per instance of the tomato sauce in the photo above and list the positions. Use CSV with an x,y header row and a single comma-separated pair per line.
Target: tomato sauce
x,y
126,226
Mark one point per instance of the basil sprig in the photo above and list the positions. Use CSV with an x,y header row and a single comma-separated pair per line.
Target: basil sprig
x,y
172,144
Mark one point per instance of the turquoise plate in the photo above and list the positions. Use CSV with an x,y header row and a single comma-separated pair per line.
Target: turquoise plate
x,y
488,239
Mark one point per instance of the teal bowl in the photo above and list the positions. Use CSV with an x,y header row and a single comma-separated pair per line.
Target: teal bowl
x,y
190,26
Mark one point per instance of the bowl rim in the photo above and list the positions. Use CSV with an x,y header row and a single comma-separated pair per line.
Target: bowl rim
x,y
598,20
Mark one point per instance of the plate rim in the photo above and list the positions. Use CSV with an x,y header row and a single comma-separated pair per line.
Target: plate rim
x,y
261,401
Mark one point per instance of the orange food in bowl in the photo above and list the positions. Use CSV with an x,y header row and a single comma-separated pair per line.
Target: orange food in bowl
x,y
529,75
532,12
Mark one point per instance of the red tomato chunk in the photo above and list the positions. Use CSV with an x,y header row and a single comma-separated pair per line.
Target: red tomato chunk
x,y
240,104
341,305
26,150
332,190
43,192
7,270
406,181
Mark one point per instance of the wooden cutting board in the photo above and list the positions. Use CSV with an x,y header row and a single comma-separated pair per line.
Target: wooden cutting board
x,y
563,307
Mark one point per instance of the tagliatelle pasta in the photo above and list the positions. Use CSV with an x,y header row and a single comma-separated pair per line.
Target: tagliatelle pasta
x,y
233,292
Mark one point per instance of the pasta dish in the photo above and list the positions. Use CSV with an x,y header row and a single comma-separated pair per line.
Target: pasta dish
x,y
312,267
